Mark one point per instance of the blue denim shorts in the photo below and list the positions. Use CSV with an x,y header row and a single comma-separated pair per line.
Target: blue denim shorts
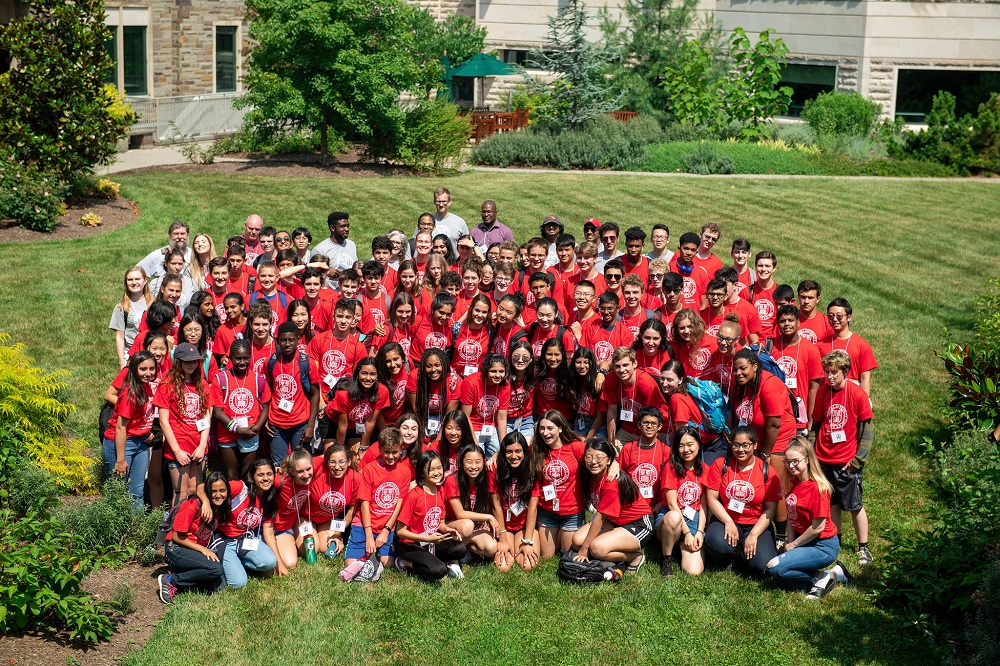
x,y
355,548
570,523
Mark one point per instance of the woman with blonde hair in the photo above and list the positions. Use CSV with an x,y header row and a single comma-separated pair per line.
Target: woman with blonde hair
x,y
693,346
812,537
127,315
203,251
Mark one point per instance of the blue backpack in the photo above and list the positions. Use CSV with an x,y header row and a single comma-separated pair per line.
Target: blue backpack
x,y
708,396
303,370
767,361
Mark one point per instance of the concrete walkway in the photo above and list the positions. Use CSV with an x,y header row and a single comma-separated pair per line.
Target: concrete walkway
x,y
142,158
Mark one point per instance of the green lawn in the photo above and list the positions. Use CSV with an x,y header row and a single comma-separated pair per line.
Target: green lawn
x,y
909,257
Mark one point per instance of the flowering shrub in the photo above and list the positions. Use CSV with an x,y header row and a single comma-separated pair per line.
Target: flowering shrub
x,y
30,195
91,220
107,188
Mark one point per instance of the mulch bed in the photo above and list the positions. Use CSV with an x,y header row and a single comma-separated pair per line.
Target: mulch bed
x,y
116,213
131,631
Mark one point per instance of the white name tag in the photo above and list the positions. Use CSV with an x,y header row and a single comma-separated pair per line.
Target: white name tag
x,y
549,492
626,415
470,370
646,491
250,544
306,528
359,428
242,422
838,436
433,424
156,412
338,525
285,405
488,431
330,380
429,547
580,423
202,424
791,382
517,508
688,513
736,506
742,422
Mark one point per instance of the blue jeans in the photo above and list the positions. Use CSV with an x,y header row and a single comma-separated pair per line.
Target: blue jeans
x,y
235,563
799,566
285,438
524,424
581,426
137,458
488,445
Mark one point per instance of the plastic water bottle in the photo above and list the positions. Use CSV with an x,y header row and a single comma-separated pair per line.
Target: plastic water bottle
x,y
331,550
613,575
310,546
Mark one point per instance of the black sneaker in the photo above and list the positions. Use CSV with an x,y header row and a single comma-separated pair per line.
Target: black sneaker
x,y
848,578
822,585
667,567
864,556
167,589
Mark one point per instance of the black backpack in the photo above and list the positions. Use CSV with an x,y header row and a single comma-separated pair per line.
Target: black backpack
x,y
591,571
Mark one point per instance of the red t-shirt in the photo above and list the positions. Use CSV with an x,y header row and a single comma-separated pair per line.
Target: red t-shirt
x,y
610,506
513,522
358,411
320,315
451,460
241,284
801,363
225,336
522,401
744,280
767,310
816,330
382,487
429,335
422,513
682,409
397,398
541,335
470,347
547,397
187,521
632,323
644,392
279,306
247,516
286,385
651,364
560,470
453,391
375,309
485,401
402,334
771,400
805,503
501,341
602,341
183,418
260,354
858,350
330,498
335,358
720,371
687,487
293,503
695,284
644,466
453,492
696,362
711,264
238,398
747,487
641,269
588,405
140,419
668,320
566,282
841,412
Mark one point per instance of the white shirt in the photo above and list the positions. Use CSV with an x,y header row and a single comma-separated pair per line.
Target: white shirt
x,y
340,255
603,259
153,262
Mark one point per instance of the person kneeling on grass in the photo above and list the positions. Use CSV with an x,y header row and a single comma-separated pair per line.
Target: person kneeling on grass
x,y
469,508
193,564
383,484
424,542
685,519
812,538
622,521
515,491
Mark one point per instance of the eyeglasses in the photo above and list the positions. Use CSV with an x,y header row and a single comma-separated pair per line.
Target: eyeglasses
x,y
283,239
794,462
727,340
656,276
338,463
595,459
673,291
742,447
650,424
442,201
609,239
716,295
837,317
521,359
612,278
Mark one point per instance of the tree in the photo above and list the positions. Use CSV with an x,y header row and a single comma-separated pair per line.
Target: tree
x,y
580,90
748,93
458,36
332,65
650,37
55,110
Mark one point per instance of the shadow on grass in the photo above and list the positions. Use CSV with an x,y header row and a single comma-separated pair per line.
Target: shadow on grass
x,y
866,636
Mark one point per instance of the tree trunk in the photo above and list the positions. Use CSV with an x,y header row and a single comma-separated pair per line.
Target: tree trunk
x,y
324,152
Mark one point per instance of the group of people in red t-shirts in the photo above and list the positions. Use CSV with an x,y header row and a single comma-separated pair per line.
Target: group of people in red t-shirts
x,y
423,412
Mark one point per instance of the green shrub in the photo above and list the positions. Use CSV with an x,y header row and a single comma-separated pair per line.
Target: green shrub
x,y
283,142
857,147
31,490
434,136
933,574
969,144
747,158
602,143
706,161
982,636
30,195
42,567
839,114
673,131
838,164
111,522
794,134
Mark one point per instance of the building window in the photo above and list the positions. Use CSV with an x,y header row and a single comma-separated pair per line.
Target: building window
x,y
111,46
134,59
807,82
915,90
225,58
515,56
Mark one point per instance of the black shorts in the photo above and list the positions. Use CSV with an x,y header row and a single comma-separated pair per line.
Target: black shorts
x,y
846,484
641,529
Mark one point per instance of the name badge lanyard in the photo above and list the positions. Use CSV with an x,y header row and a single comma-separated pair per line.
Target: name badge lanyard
x,y
343,514
795,379
623,393
647,491
489,426
836,436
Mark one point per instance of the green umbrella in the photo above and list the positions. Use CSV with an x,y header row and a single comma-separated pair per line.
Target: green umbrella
x,y
482,65
446,77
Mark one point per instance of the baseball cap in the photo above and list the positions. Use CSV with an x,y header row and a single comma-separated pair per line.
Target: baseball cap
x,y
592,222
551,219
186,351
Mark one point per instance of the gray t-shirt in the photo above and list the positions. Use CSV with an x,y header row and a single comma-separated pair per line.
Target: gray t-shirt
x,y
452,226
340,255
129,323
603,259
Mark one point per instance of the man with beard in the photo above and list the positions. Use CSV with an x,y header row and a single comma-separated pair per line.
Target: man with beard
x,y
338,249
153,262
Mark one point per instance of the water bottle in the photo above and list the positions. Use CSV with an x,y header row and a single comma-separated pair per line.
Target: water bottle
x,y
349,572
331,551
310,546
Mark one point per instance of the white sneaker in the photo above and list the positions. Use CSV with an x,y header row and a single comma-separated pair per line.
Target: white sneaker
x,y
455,570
